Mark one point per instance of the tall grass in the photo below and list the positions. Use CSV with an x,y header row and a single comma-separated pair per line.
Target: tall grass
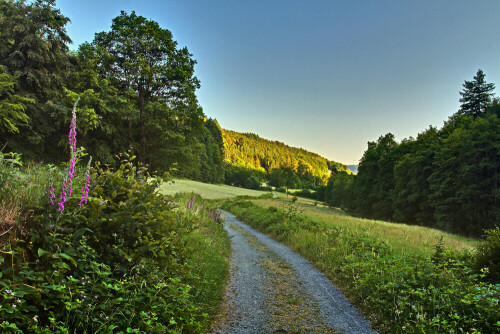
x,y
401,238
209,248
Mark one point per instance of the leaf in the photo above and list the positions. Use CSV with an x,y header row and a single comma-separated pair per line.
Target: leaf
x,y
41,252
67,257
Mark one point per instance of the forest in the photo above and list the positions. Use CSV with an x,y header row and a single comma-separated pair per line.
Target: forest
x,y
135,86
251,160
446,178
136,93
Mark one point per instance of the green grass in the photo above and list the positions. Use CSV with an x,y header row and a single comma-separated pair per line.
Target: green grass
x,y
207,190
209,247
402,238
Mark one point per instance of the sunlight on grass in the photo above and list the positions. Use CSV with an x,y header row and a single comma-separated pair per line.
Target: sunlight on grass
x,y
400,237
206,190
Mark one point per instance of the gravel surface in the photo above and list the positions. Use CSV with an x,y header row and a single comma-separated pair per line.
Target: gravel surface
x,y
274,290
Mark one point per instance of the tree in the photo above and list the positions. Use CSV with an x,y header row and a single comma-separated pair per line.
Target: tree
x,y
143,57
33,49
12,106
211,158
476,95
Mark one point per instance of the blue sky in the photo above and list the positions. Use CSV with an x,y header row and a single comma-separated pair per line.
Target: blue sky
x,y
327,76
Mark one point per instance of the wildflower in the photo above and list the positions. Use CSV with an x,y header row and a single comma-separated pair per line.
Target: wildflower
x,y
14,306
35,318
50,192
85,189
67,187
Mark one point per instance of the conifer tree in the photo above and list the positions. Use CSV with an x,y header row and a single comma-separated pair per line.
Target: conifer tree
x,y
476,96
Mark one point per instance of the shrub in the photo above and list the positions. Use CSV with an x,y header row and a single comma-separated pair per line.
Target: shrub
x,y
281,189
117,263
488,255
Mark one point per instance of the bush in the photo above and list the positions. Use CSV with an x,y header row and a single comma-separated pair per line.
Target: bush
x,y
281,189
488,255
115,264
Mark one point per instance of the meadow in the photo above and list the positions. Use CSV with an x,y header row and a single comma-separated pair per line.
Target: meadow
x,y
402,238
206,190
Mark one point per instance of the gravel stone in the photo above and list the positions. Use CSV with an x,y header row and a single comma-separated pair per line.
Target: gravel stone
x,y
272,289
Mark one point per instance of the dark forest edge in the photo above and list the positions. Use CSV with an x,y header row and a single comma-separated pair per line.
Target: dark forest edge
x,y
445,178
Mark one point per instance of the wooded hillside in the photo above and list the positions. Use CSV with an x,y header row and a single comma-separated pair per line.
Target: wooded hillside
x,y
251,151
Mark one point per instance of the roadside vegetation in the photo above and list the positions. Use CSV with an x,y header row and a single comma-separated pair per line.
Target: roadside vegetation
x,y
401,288
129,260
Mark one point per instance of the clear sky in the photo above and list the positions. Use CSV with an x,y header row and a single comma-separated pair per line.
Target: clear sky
x,y
327,76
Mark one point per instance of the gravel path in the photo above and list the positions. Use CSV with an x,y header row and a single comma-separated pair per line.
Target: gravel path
x,y
274,290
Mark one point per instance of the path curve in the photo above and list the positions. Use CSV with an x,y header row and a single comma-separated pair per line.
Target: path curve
x,y
274,290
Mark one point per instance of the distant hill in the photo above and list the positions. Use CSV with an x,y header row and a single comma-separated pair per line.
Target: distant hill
x,y
251,151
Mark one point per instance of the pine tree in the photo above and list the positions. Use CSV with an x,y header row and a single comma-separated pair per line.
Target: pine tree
x,y
476,96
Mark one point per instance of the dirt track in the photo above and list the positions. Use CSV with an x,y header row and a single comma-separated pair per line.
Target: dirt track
x,y
274,290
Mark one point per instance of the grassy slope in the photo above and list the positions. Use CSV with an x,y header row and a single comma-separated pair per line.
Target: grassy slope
x,y
407,239
207,190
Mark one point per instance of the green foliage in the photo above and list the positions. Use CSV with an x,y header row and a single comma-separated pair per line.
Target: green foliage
x,y
141,56
488,255
212,156
244,177
12,106
447,178
136,89
34,53
120,263
476,96
250,151
400,294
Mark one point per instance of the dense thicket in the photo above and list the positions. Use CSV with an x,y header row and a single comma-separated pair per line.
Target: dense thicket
x,y
446,178
285,166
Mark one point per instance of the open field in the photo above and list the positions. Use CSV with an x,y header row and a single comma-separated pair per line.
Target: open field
x,y
400,237
407,239
207,190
